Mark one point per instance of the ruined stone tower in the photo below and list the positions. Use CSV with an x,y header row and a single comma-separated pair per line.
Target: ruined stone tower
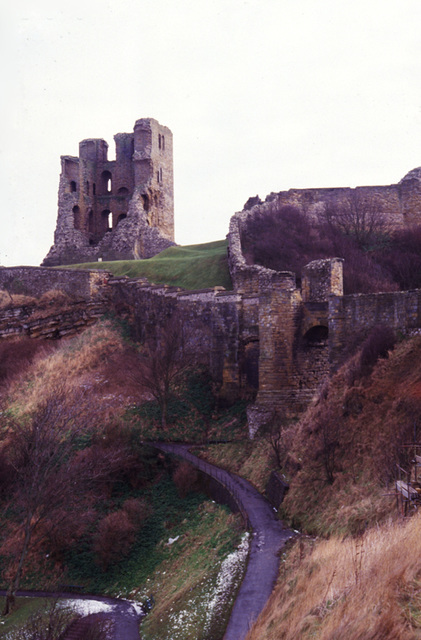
x,y
119,209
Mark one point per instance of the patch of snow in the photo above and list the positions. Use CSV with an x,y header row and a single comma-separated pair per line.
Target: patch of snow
x,y
138,607
227,579
172,540
86,607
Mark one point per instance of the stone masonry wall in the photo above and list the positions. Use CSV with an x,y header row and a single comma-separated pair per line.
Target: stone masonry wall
x,y
34,281
351,317
398,204
213,317
50,325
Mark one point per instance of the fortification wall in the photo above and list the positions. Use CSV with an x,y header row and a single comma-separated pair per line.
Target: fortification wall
x,y
397,205
48,324
214,318
389,200
221,329
34,281
351,318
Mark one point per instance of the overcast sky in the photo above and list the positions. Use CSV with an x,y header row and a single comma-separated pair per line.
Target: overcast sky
x,y
261,96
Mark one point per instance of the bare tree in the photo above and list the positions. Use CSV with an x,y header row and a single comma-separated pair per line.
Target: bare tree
x,y
39,452
359,216
164,360
50,477
278,436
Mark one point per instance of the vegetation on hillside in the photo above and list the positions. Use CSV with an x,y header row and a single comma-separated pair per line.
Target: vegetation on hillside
x,y
139,523
353,572
376,258
198,266
365,588
88,502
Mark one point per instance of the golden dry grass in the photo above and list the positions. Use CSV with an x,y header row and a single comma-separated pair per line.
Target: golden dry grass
x,y
11,300
349,589
252,460
96,361
368,420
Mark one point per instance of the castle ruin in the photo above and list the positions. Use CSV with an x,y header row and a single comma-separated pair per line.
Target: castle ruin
x,y
118,209
274,338
395,205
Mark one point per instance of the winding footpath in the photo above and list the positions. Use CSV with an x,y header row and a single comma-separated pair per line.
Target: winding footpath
x,y
268,538
124,615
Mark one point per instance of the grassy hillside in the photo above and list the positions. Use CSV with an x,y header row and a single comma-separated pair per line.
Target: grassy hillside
x,y
196,266
354,573
135,523
365,588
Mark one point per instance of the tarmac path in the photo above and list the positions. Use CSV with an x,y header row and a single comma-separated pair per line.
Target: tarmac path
x,y
268,537
124,614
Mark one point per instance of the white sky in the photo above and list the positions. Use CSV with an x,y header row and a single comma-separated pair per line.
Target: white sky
x,y
261,96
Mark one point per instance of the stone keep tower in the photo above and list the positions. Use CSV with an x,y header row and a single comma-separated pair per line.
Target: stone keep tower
x,y
116,210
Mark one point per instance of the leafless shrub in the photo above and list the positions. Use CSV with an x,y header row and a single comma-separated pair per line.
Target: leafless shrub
x,y
46,625
358,216
279,437
137,510
164,360
114,538
185,478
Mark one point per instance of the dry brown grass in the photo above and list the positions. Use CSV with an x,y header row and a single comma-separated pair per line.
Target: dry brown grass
x,y
365,588
97,361
365,422
364,582
12,300
252,460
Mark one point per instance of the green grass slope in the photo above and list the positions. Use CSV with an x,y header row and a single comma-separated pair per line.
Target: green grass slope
x,y
197,266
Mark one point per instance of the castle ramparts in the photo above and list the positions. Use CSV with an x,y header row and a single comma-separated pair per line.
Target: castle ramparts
x,y
269,340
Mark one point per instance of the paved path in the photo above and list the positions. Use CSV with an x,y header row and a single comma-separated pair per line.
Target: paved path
x,y
124,614
268,538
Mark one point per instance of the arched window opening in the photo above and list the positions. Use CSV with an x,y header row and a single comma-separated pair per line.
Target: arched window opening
x,y
106,182
159,140
91,221
121,217
145,200
107,220
160,175
163,143
157,175
317,336
73,186
76,217
123,191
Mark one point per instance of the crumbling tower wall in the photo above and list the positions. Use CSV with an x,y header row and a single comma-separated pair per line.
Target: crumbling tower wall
x,y
116,209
